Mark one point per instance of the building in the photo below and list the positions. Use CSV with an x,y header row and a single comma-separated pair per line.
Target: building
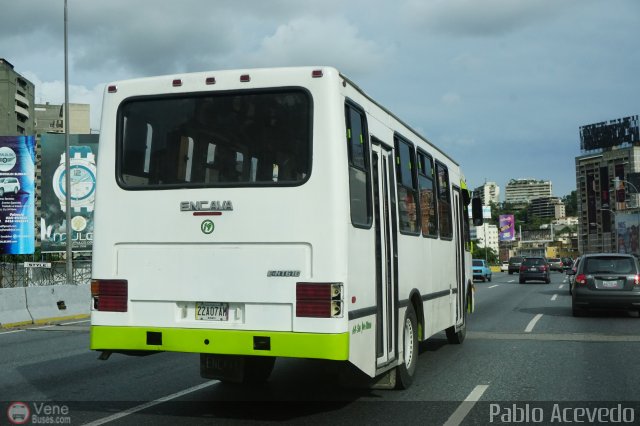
x,y
608,178
50,118
16,102
600,201
488,193
488,233
520,192
547,207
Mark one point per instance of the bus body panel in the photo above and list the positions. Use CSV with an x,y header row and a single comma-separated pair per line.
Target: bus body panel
x,y
302,232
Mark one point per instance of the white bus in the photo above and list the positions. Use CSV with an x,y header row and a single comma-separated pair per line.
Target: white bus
x,y
254,214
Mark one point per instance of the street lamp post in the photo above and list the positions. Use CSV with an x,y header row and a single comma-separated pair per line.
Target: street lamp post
x,y
67,162
615,227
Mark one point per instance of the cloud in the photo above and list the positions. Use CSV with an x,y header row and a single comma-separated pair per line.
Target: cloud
x,y
481,18
319,41
451,98
53,92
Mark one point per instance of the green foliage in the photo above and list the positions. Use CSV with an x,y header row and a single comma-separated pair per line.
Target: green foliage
x,y
480,253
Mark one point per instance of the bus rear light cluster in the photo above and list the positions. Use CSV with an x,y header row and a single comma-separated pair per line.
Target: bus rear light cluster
x,y
319,300
109,295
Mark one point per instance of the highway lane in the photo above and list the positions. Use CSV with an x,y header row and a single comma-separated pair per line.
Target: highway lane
x,y
509,355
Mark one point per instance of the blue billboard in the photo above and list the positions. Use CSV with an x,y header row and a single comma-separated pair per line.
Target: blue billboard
x,y
17,194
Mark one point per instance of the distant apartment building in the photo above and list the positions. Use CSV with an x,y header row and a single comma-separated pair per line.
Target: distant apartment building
x,y
486,235
488,193
521,191
547,207
16,102
50,118
599,200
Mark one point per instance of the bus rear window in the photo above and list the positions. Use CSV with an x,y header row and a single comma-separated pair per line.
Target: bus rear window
x,y
216,139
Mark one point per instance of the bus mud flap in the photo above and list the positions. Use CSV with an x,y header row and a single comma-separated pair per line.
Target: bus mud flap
x,y
352,377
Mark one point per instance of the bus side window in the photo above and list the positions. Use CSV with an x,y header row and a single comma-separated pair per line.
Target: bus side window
x,y
357,143
407,187
444,201
427,185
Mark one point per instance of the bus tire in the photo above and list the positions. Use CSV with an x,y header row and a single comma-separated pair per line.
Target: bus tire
x,y
457,337
407,369
257,369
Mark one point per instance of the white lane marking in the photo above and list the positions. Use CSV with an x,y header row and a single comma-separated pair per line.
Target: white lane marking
x,y
150,404
492,286
532,323
560,286
512,281
466,406
12,331
44,326
75,322
554,297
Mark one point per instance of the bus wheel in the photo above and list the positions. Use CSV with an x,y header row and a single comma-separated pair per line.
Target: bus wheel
x,y
257,369
407,370
457,337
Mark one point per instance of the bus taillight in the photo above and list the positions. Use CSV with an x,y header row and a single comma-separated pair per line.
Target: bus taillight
x,y
109,295
319,300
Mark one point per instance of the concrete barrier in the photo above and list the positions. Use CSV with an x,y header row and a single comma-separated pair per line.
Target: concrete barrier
x,y
58,302
13,307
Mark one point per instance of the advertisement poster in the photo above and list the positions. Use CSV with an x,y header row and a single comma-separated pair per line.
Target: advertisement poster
x,y
17,194
506,229
627,225
53,224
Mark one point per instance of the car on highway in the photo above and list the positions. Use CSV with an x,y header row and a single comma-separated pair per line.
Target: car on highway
x,y
504,267
571,273
555,264
9,185
481,270
535,268
514,264
567,263
606,280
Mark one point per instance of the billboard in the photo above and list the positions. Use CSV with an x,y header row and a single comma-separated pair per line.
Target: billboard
x,y
17,194
627,225
608,134
506,229
53,224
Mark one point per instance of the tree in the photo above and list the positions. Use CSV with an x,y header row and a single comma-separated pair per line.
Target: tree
x,y
478,252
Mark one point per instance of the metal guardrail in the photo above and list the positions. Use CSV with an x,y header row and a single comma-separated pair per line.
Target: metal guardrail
x,y
17,275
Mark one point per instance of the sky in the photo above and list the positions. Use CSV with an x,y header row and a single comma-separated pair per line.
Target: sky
x,y
502,86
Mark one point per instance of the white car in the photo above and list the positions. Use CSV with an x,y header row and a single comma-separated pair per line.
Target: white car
x,y
9,184
504,267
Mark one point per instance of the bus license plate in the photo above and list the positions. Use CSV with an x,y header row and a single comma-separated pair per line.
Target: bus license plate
x,y
206,311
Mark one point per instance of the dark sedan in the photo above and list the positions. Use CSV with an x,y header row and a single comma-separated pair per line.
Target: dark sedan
x,y
606,280
535,268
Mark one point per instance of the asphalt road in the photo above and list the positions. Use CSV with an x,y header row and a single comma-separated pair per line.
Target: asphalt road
x,y
524,355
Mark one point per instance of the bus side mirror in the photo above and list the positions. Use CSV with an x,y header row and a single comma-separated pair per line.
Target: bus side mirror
x,y
466,197
476,211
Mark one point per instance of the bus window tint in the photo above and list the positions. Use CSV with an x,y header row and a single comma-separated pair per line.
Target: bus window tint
x,y
444,201
427,185
245,138
358,170
407,193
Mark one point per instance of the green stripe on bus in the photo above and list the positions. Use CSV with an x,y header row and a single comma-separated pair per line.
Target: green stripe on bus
x,y
228,342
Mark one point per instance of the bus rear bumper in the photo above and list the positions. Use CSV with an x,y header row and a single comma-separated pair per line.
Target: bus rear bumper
x,y
225,342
